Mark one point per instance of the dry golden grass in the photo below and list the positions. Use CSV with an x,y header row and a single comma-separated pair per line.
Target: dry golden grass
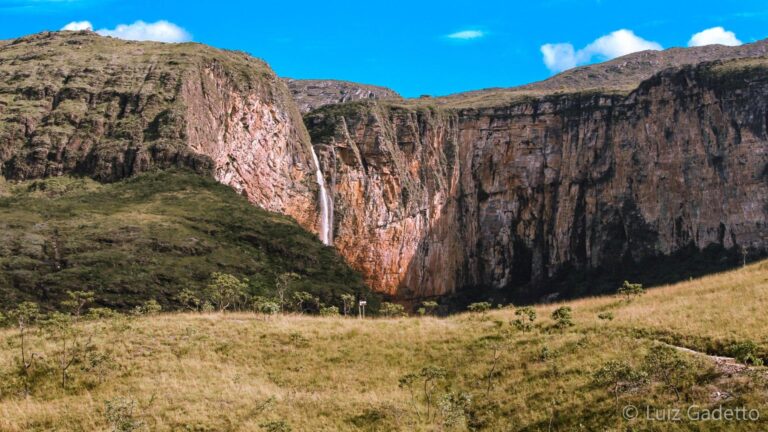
x,y
236,372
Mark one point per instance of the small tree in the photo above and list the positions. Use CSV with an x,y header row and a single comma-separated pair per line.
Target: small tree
x,y
24,316
666,365
630,290
480,307
224,290
391,309
427,380
77,301
302,299
63,330
525,317
430,307
189,300
619,378
347,302
563,317
283,286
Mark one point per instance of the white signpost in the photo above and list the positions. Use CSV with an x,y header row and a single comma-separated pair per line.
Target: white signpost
x,y
361,309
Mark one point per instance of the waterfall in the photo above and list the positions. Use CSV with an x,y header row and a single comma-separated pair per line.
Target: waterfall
x,y
326,224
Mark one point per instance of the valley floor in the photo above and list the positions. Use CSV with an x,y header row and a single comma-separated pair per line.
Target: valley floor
x,y
245,372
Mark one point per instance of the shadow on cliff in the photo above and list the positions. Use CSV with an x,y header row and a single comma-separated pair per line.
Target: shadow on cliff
x,y
571,283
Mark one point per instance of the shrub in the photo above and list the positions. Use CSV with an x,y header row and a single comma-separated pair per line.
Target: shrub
x,y
453,409
276,426
329,311
545,354
605,316
391,309
525,318
480,307
619,378
101,313
666,365
265,306
189,300
563,317
151,307
430,307
120,415
746,352
630,290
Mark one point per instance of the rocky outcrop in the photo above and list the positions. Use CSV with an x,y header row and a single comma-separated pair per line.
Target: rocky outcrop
x,y
429,200
312,94
76,102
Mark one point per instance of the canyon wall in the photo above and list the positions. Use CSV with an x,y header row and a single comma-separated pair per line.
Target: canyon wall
x,y
429,200
76,102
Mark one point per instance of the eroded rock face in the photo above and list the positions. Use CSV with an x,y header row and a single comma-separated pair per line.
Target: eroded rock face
x,y
431,200
81,103
312,94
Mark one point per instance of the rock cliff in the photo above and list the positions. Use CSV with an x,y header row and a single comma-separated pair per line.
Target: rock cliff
x,y
431,197
76,102
646,157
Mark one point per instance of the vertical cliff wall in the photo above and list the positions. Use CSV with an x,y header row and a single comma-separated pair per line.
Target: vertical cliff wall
x,y
430,200
75,102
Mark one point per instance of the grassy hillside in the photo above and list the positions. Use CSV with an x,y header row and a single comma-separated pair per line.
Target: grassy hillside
x,y
244,372
149,237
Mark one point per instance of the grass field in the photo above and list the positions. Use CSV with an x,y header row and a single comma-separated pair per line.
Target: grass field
x,y
246,372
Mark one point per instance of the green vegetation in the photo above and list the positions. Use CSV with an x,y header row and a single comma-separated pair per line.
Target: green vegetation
x,y
630,290
172,237
206,371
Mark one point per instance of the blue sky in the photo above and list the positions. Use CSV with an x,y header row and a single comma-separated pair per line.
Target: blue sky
x,y
414,47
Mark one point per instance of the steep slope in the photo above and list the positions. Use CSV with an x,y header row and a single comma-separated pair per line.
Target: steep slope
x,y
76,102
431,198
313,94
149,237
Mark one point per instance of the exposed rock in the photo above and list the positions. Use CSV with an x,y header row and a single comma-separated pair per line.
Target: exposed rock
x,y
430,199
76,102
313,94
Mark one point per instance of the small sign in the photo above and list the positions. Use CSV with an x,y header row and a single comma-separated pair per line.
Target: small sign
x,y
363,302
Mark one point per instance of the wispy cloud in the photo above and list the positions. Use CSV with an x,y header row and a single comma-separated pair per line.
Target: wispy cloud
x,y
562,56
160,31
466,35
714,36
38,5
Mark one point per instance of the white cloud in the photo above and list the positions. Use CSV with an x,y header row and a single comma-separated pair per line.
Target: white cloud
x,y
466,35
563,56
78,25
160,31
712,36
559,57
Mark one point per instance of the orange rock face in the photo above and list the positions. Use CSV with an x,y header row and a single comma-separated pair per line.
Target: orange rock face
x,y
429,201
